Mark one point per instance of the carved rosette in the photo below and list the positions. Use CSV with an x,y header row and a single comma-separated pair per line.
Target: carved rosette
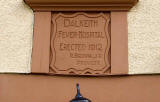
x,y
80,44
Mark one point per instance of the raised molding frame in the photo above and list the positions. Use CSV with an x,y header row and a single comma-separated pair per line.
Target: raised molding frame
x,y
81,5
42,29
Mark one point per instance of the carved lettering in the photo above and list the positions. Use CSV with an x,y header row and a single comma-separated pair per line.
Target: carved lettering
x,y
80,23
80,43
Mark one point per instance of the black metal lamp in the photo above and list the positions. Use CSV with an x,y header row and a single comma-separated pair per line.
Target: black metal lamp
x,y
79,97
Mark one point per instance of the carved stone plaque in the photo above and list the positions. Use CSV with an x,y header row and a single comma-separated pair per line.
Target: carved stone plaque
x,y
80,44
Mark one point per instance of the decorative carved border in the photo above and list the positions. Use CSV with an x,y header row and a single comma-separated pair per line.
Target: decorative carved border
x,y
87,71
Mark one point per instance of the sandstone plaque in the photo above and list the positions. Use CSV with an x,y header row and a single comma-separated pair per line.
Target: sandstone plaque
x,y
80,43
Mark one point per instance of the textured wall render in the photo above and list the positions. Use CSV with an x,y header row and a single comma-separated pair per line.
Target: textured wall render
x,y
144,37
16,31
16,20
